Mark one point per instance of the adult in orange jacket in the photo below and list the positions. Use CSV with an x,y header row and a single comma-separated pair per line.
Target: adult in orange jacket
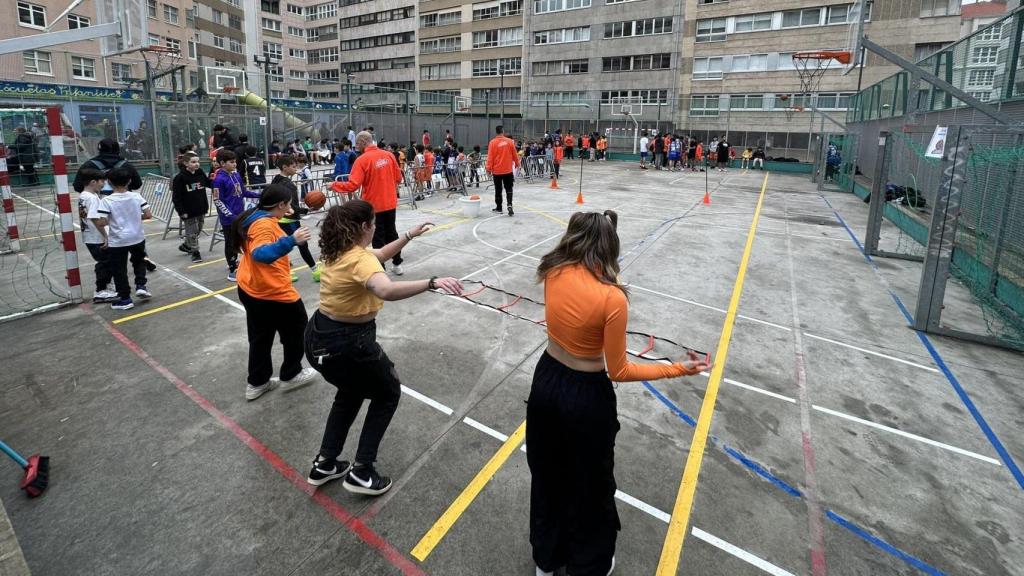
x,y
376,172
502,160
570,143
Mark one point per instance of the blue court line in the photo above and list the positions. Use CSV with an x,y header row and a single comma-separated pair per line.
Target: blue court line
x,y
883,544
1004,455
762,472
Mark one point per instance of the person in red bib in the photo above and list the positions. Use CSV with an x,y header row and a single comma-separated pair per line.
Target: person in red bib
x,y
376,172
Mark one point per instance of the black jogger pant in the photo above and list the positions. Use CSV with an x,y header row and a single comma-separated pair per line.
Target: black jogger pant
x,y
118,258
350,358
265,319
386,232
503,181
570,440
102,270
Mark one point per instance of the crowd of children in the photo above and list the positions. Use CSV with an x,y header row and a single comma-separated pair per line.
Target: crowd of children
x,y
676,153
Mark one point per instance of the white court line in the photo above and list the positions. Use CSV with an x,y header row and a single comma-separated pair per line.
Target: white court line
x,y
428,401
872,352
739,553
716,309
643,506
909,435
512,254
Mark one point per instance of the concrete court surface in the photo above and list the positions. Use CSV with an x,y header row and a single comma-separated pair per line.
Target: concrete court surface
x,y
160,466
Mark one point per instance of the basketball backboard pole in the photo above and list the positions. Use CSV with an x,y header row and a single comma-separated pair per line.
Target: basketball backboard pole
x,y
23,43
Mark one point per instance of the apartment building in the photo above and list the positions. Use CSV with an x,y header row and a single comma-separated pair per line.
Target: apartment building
x,y
739,73
220,33
583,52
473,50
378,47
82,63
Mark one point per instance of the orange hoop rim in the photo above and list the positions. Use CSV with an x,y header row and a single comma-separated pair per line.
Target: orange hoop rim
x,y
842,56
159,50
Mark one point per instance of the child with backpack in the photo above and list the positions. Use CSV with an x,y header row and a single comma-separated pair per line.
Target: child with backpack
x,y
229,194
94,231
188,193
125,240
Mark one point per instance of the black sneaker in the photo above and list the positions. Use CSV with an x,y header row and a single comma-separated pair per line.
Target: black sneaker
x,y
510,212
497,210
324,471
197,257
184,248
366,480
149,265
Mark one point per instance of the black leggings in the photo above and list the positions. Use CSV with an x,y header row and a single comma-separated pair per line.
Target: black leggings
x,y
263,320
500,181
386,232
350,358
571,452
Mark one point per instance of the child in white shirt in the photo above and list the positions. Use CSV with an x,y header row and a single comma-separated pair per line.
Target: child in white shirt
x,y
125,239
94,230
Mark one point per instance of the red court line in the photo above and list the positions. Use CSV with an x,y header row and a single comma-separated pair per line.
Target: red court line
x,y
298,480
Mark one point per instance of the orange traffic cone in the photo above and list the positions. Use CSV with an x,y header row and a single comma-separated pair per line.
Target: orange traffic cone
x,y
707,199
554,183
579,198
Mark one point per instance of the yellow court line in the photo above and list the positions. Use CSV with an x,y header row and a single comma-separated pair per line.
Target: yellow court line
x,y
546,215
672,550
173,305
440,213
433,536
451,224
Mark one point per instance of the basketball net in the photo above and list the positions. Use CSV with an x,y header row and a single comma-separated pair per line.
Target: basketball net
x,y
161,60
811,67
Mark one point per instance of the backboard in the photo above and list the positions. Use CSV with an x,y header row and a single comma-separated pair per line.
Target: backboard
x,y
134,27
627,106
859,13
217,78
463,104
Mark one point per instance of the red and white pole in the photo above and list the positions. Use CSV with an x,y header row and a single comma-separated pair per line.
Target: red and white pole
x,y
8,199
67,219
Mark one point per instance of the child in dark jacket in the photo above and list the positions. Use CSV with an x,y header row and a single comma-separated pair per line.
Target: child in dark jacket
x,y
229,194
188,192
289,167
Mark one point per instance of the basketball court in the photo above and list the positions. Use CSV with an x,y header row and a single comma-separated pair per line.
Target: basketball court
x,y
837,437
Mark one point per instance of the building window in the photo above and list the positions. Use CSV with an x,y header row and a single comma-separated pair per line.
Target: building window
x,y
37,62
707,68
982,96
76,21
562,35
173,44
83,68
218,41
545,6
299,53
218,17
749,63
235,45
985,55
833,100
449,71
560,67
754,22
659,97
497,9
437,97
154,40
645,27
502,37
276,73
192,47
270,24
120,72
980,78
799,18
322,11
31,15
557,98
440,19
492,67
295,9
273,50
277,94
704,105
746,102
922,51
639,62
235,22
297,74
703,2
939,8
440,45
990,34
296,31
386,40
508,96
151,9
271,6
170,14
323,55
711,30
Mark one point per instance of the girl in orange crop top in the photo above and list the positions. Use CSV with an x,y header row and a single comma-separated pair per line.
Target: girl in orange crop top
x,y
571,414
341,341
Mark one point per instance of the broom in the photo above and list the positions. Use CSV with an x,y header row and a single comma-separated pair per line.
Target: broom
x,y
37,471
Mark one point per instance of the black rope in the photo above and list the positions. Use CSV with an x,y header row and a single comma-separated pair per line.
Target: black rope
x,y
504,310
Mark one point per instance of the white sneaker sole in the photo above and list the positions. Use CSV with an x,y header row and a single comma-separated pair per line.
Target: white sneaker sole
x,y
356,489
325,480
252,392
299,381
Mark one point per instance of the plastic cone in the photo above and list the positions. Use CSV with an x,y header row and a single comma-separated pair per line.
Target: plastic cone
x,y
554,183
707,198
579,198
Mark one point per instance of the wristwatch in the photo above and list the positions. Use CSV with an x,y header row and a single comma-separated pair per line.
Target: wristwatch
x,y
432,285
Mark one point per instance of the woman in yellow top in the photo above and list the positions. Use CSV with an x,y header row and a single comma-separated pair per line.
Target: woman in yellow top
x,y
745,158
571,415
272,305
341,341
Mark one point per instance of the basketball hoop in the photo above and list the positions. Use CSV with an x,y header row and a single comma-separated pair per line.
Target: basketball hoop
x,y
161,59
230,90
811,67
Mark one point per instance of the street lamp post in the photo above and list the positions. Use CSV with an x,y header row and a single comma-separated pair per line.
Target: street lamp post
x,y
487,111
501,93
348,97
266,62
